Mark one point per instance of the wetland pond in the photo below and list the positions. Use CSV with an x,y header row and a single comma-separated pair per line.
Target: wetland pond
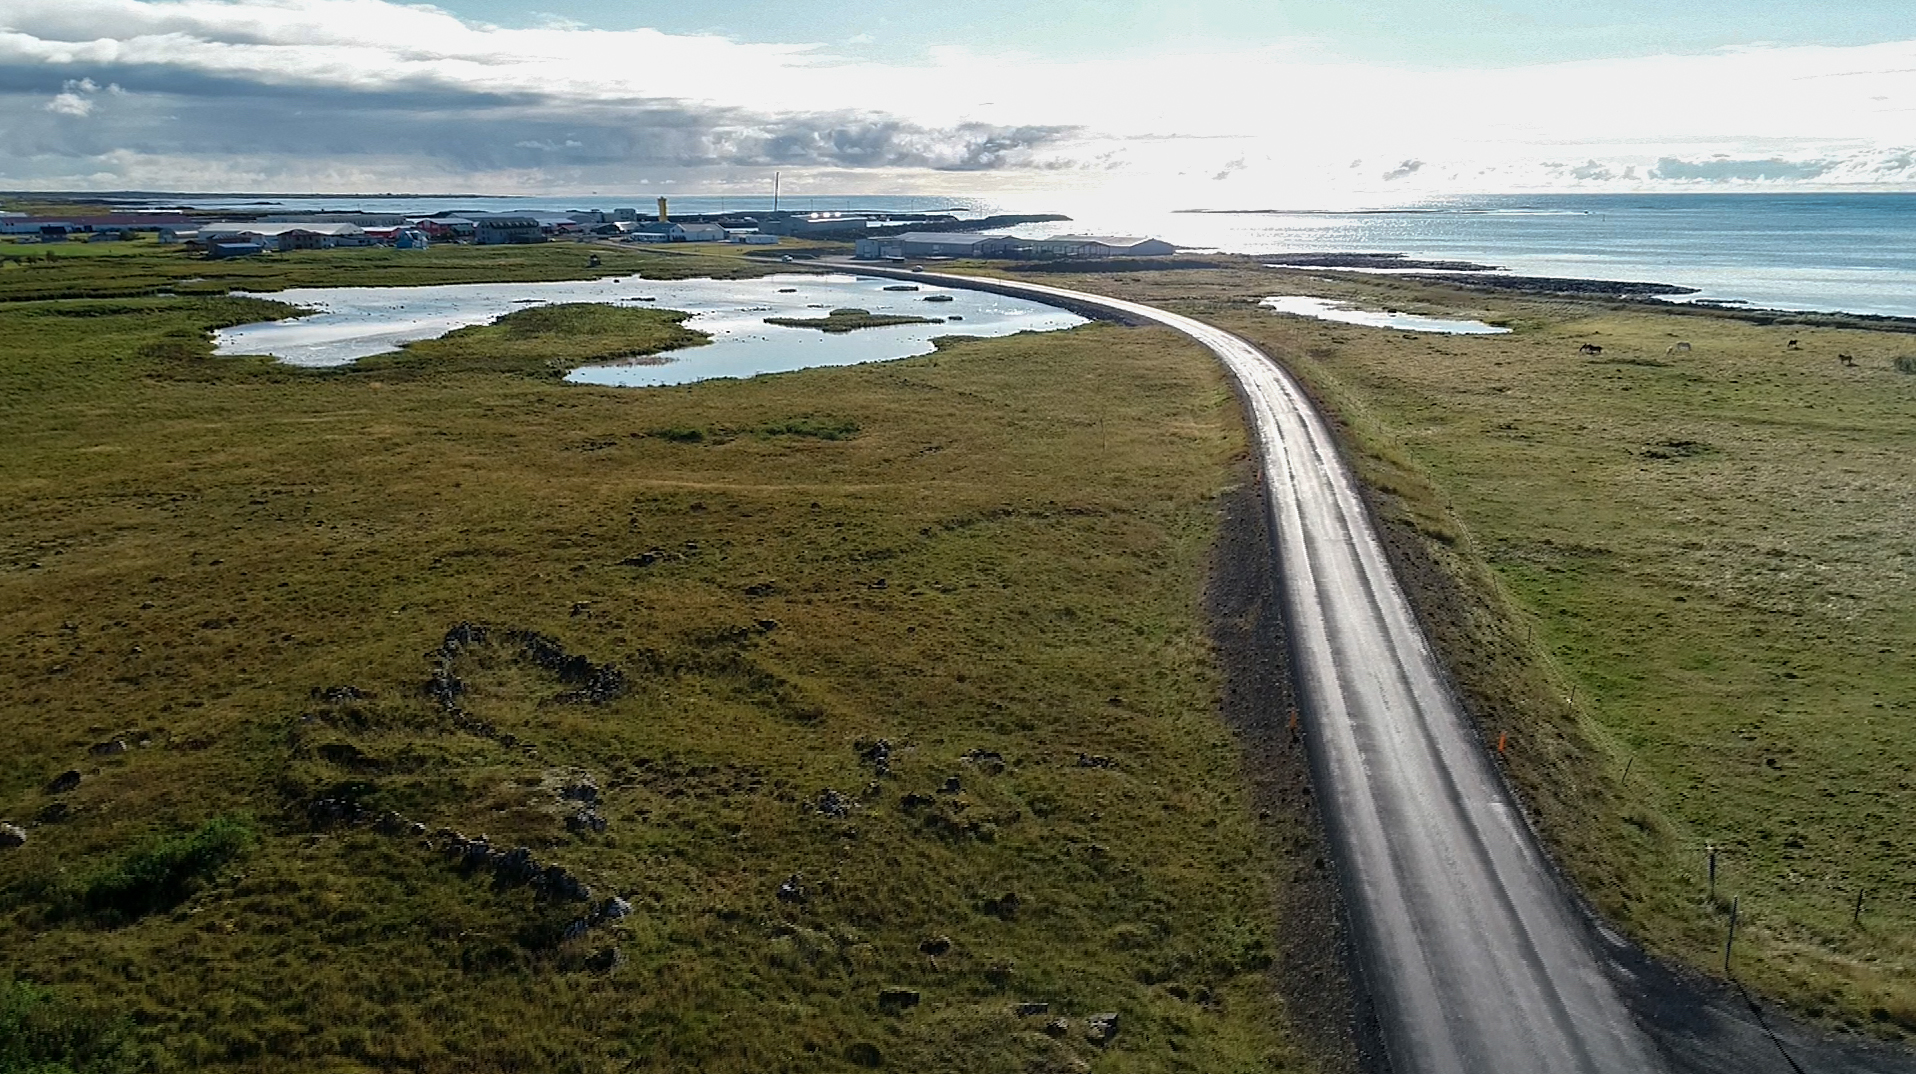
x,y
355,322
1325,309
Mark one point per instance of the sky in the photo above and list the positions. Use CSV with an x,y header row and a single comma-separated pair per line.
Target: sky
x,y
1204,104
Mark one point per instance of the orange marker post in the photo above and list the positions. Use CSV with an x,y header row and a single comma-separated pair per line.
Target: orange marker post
x,y
1502,738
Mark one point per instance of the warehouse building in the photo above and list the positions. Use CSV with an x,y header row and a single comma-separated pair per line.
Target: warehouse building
x,y
937,244
507,230
1075,246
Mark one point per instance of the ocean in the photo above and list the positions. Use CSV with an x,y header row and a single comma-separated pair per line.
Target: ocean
x,y
1849,252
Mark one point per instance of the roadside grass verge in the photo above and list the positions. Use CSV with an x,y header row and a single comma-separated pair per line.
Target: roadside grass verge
x,y
1686,560
1693,567
991,558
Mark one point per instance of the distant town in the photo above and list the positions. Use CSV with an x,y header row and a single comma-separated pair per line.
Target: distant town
x,y
875,236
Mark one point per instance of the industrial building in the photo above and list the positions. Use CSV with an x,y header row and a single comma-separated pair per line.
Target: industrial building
x,y
283,237
673,231
1076,246
964,244
937,244
507,230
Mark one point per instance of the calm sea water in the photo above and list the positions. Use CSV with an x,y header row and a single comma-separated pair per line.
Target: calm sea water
x,y
1852,252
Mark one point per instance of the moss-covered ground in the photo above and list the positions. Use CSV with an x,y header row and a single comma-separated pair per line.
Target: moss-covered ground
x,y
991,558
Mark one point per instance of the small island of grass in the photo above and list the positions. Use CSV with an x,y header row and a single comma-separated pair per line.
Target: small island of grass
x,y
848,320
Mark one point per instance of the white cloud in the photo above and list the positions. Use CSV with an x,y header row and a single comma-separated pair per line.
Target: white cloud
x,y
602,106
74,100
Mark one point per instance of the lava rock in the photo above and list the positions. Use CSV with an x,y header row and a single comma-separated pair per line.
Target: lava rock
x,y
1029,1010
894,1000
834,804
990,762
583,790
877,754
1005,907
64,782
614,909
110,748
1093,760
12,835
585,821
1100,1028
937,946
606,958
793,890
1057,1027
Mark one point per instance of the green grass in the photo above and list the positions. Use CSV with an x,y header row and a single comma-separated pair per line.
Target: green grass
x,y
143,267
543,341
850,320
162,872
998,547
41,1033
1693,566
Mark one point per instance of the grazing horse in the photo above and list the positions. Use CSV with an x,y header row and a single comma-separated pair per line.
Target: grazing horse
x,y
1589,348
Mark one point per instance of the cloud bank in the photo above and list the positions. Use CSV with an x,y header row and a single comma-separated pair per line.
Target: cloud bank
x,y
369,95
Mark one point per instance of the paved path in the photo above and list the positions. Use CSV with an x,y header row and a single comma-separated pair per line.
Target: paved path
x,y
1476,960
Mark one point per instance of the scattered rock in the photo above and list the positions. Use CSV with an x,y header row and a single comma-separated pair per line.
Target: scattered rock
x,y
12,835
761,589
952,785
614,909
585,821
937,946
605,959
833,804
63,782
999,973
916,801
580,790
338,694
877,754
1029,1010
793,890
643,559
894,1000
1004,907
598,683
324,811
990,762
112,748
1057,1027
1100,1028
1093,760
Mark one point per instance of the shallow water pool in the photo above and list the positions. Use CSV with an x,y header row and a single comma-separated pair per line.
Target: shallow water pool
x,y
1325,309
355,322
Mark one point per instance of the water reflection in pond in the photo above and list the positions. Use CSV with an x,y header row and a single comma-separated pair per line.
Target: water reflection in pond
x,y
1325,309
354,322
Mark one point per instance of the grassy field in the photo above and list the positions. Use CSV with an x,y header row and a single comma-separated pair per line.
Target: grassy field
x,y
710,604
1691,564
143,267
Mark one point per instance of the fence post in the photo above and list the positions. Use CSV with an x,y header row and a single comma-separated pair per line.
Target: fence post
x,y
1730,940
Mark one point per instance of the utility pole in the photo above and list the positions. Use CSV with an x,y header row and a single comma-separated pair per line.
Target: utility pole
x,y
775,192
